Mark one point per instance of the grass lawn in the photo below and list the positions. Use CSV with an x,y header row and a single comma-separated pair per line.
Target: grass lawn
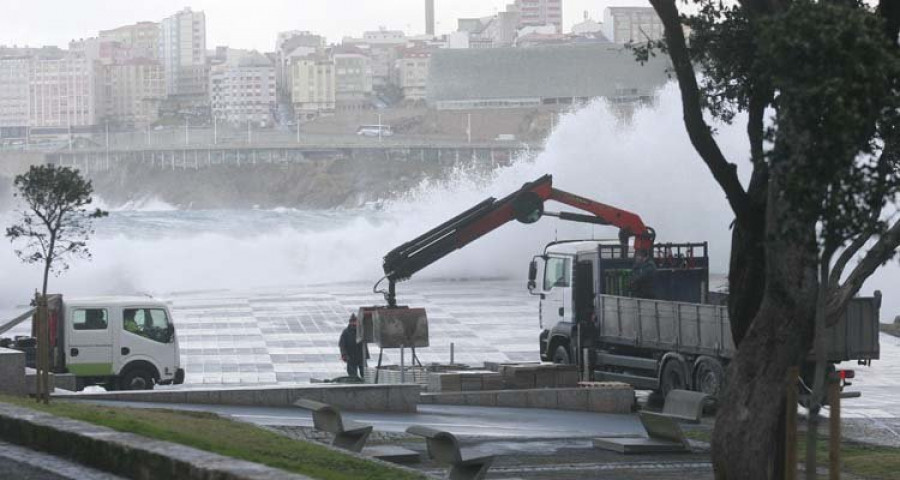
x,y
207,431
871,462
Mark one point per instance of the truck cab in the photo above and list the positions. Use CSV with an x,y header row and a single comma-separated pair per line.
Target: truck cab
x,y
121,343
573,274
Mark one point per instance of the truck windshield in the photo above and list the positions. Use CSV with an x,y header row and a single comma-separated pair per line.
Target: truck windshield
x,y
151,323
557,272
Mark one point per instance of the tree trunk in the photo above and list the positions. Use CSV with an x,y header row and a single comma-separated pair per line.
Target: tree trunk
x,y
745,438
746,277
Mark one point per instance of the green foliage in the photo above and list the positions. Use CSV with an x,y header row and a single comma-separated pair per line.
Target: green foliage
x,y
834,75
829,76
55,222
724,47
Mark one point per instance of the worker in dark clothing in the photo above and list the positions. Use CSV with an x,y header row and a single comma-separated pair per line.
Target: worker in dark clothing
x,y
354,354
642,273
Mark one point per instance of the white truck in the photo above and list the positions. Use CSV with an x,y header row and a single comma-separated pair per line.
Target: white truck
x,y
121,343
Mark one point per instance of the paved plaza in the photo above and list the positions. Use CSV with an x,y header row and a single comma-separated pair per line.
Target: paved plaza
x,y
291,335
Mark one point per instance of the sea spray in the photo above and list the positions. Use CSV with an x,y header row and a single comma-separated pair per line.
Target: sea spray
x,y
645,165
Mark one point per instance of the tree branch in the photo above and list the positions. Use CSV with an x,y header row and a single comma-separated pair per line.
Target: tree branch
x,y
841,263
699,131
883,250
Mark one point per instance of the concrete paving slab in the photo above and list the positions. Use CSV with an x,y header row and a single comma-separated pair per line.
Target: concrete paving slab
x,y
630,446
393,454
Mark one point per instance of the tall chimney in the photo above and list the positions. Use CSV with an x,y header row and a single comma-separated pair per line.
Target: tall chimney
x,y
429,17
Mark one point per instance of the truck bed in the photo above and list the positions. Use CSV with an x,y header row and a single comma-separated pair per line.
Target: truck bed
x,y
704,329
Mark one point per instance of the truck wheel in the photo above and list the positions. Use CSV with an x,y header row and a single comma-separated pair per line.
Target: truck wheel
x,y
137,379
672,378
709,377
561,355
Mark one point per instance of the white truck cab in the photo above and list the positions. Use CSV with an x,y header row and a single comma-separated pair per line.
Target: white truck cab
x,y
126,343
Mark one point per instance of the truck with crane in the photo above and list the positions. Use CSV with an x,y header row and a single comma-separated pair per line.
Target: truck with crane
x,y
677,336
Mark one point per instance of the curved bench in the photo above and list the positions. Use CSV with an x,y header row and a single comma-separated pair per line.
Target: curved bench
x,y
348,435
444,447
685,405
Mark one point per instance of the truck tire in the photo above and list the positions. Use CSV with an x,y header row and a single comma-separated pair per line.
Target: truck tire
x,y
709,377
561,355
672,377
137,379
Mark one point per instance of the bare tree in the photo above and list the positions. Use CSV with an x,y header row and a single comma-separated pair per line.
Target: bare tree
x,y
54,226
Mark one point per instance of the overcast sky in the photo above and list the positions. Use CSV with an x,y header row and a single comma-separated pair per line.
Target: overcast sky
x,y
252,23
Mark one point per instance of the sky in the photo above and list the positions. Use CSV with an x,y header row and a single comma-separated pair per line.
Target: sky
x,y
252,24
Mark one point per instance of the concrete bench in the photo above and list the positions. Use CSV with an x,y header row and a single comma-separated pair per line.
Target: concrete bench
x,y
664,435
685,405
347,435
444,447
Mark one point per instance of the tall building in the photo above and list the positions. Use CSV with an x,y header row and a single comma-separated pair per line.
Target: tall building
x,y
132,91
141,39
13,96
540,12
560,75
632,24
352,79
62,92
412,73
182,49
242,89
313,83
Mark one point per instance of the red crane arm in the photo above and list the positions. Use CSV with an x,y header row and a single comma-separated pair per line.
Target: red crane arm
x,y
525,205
631,223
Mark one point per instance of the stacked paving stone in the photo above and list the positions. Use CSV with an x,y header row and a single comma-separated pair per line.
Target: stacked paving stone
x,y
545,375
465,381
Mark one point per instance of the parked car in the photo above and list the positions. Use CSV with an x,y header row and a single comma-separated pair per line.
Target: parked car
x,y
374,131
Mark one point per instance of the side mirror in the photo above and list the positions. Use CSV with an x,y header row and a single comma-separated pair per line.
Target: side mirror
x,y
532,274
170,333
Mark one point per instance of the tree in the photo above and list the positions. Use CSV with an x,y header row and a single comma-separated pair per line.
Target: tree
x,y
55,225
818,82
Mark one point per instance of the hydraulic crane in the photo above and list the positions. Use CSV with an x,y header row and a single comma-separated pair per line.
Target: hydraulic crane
x,y
525,205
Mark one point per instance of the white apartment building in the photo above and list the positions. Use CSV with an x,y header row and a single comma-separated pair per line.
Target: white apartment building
x,y
182,50
540,12
353,79
132,92
313,82
62,92
141,39
632,24
243,89
412,73
13,95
